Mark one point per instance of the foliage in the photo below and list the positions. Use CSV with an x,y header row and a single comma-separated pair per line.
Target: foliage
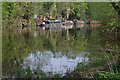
x,y
106,13
78,10
17,46
107,74
27,10
16,9
104,75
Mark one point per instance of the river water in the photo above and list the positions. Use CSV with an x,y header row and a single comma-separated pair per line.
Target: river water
x,y
54,49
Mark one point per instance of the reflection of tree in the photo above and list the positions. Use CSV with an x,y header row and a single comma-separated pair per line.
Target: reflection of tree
x,y
38,60
15,48
61,41
78,43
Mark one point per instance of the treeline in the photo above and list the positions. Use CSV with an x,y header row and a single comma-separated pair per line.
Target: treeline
x,y
69,10
27,10
108,13
12,10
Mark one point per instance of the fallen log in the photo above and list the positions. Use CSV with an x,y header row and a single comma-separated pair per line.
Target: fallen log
x,y
109,51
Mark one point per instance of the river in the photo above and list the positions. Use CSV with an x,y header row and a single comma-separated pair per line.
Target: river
x,y
59,49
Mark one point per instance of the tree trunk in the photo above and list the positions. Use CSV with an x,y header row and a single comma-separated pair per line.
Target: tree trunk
x,y
117,7
68,12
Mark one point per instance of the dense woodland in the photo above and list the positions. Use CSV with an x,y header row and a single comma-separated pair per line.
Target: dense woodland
x,y
106,12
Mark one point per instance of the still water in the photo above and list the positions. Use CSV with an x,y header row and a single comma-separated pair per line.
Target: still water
x,y
47,62
52,49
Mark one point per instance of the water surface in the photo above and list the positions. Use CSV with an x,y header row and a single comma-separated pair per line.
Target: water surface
x,y
55,50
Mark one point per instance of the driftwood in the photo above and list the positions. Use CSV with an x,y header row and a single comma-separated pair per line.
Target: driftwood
x,y
109,51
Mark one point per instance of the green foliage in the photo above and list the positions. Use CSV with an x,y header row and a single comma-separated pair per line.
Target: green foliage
x,y
20,46
78,9
16,9
107,75
79,43
106,13
27,10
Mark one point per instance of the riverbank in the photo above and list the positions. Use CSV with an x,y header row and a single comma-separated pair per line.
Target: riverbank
x,y
110,70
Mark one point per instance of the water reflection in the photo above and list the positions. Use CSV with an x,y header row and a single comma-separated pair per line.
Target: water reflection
x,y
66,27
78,25
48,29
95,25
55,63
53,46
53,27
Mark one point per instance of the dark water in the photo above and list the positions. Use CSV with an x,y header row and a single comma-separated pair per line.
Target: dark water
x,y
54,49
